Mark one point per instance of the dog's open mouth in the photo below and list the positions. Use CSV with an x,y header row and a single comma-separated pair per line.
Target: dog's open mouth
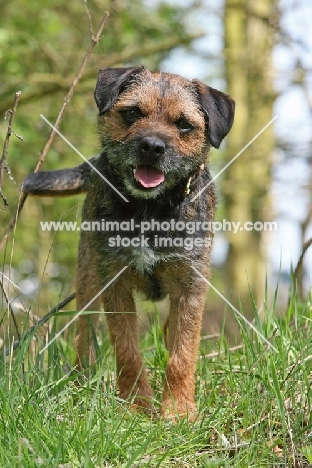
x,y
148,176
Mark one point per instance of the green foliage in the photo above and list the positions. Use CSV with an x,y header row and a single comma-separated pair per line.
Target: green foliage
x,y
254,405
41,48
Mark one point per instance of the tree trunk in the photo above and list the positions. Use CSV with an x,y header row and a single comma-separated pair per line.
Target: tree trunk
x,y
248,41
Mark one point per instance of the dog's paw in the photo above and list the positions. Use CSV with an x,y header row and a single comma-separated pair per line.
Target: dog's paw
x,y
177,409
140,404
143,407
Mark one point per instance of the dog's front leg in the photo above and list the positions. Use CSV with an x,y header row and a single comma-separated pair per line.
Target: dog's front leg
x,y
185,318
88,288
132,377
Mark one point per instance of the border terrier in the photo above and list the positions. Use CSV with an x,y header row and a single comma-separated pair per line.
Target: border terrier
x,y
156,130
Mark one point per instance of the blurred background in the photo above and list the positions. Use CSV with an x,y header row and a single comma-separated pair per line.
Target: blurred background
x,y
258,52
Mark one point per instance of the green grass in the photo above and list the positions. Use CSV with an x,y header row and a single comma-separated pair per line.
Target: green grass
x,y
254,405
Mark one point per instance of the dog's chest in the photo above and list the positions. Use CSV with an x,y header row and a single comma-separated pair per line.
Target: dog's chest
x,y
143,235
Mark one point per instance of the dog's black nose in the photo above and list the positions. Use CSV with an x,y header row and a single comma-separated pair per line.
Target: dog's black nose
x,y
152,146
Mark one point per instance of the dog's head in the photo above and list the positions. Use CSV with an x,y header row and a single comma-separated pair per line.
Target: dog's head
x,y
157,128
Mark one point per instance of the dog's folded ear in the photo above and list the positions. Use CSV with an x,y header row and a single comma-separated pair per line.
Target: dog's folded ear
x,y
111,82
219,111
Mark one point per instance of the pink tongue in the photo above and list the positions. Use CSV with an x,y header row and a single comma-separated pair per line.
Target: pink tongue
x,y
148,176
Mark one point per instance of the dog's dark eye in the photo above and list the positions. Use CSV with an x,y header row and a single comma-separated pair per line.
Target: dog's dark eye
x,y
184,126
131,115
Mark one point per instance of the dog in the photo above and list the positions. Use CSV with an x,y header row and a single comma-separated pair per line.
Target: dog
x,y
156,130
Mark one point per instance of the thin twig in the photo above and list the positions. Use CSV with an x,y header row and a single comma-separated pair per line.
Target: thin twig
x,y
41,322
217,353
210,337
298,268
89,18
47,84
94,40
30,314
9,280
69,95
6,295
10,267
3,163
305,247
7,120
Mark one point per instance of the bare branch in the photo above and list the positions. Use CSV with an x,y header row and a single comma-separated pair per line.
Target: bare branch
x,y
3,162
305,247
69,95
6,295
89,17
94,40
40,323
49,83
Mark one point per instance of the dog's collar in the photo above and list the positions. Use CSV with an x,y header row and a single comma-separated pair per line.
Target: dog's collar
x,y
192,181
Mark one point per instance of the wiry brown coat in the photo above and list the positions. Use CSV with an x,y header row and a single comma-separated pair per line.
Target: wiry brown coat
x,y
166,123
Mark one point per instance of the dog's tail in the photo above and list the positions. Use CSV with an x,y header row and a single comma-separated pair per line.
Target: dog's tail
x,y
60,183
